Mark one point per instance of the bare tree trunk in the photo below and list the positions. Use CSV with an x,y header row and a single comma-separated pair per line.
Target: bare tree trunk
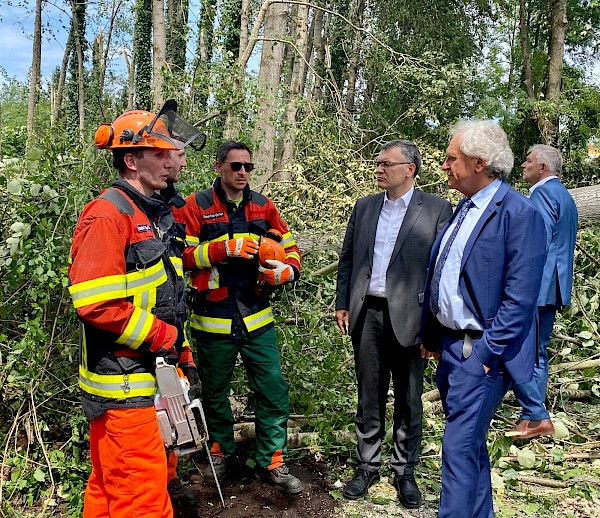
x,y
77,38
319,45
549,124
357,18
60,87
525,49
232,122
158,47
268,81
36,66
130,78
296,87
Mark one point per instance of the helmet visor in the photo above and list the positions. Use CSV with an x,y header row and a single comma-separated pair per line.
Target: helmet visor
x,y
169,126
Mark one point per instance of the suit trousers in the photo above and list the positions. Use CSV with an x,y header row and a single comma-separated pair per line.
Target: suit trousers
x,y
378,358
531,396
470,398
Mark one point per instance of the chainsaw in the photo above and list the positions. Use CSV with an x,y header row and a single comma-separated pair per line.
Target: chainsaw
x,y
181,422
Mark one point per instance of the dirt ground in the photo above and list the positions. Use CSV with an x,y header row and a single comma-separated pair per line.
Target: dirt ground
x,y
245,496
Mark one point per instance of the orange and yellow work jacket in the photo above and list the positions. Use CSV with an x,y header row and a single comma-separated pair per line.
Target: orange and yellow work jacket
x,y
125,282
225,298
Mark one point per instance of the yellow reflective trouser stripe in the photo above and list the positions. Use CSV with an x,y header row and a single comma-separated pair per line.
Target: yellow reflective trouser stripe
x,y
137,329
98,290
117,385
294,255
211,325
260,319
178,264
287,240
191,240
201,256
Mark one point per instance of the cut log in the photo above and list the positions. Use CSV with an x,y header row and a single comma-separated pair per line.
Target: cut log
x,y
587,200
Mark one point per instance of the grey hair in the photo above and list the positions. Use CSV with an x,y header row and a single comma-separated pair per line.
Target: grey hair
x,y
548,155
409,150
486,140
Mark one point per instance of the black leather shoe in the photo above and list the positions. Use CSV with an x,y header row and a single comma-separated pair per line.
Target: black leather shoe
x,y
360,484
408,491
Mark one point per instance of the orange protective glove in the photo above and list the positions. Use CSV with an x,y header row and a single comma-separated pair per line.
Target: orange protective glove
x,y
245,247
278,273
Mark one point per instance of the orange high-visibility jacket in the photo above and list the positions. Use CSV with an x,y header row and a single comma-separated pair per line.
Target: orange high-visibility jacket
x,y
229,287
125,284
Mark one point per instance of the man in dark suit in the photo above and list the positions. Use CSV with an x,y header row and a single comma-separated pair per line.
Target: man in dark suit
x,y
381,275
480,307
542,169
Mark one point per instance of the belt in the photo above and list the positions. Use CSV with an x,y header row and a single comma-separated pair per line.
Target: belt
x,y
459,334
375,302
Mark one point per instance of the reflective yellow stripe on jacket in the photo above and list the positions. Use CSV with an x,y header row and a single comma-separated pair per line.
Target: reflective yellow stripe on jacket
x,y
220,326
114,287
117,385
223,325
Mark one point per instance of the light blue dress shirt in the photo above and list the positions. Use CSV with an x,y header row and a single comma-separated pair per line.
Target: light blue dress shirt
x,y
388,225
453,311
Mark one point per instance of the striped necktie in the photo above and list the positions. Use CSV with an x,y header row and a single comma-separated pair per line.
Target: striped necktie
x,y
439,266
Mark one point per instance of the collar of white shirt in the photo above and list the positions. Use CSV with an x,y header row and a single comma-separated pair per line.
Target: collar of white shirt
x,y
406,197
541,182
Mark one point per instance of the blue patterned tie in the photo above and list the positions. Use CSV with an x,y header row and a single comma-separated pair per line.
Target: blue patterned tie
x,y
439,266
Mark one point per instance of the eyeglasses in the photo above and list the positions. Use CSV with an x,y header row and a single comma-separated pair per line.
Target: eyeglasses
x,y
236,166
387,165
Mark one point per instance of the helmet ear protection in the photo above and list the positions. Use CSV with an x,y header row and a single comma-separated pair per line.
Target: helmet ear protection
x,y
104,136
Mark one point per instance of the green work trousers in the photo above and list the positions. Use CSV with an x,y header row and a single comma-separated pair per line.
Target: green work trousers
x,y
216,360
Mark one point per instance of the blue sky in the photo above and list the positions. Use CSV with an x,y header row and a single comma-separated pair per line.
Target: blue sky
x,y
16,43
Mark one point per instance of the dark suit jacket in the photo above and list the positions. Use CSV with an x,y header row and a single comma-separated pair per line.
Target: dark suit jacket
x,y
425,216
499,281
560,217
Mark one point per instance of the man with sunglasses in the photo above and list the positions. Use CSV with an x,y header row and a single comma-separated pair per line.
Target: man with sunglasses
x,y
230,315
381,275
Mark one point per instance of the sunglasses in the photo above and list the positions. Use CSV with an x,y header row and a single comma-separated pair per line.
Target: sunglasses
x,y
236,166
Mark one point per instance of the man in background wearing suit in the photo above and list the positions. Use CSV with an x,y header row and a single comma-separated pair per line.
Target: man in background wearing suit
x,y
381,274
542,169
480,307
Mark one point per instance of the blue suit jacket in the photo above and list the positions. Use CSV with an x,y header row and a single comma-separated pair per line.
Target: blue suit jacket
x,y
499,281
560,217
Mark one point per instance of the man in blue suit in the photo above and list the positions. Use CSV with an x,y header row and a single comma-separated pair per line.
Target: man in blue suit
x,y
480,308
542,170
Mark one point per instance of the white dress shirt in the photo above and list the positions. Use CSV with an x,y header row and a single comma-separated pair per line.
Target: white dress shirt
x,y
388,225
453,311
541,182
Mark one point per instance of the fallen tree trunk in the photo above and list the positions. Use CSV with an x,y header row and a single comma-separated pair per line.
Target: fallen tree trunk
x,y
574,366
587,200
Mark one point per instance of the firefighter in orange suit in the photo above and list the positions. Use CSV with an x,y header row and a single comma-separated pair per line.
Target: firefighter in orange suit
x,y
231,315
125,280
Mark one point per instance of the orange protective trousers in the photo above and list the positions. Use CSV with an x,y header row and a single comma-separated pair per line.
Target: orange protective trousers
x,y
129,467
